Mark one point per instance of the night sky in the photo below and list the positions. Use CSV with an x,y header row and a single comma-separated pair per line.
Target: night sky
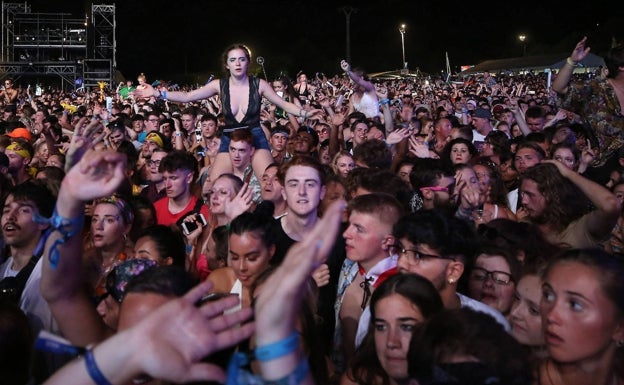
x,y
168,39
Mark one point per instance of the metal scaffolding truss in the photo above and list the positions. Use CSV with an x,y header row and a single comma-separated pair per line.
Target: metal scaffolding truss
x,y
66,72
104,24
55,44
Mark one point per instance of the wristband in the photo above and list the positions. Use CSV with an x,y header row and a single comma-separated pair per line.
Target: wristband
x,y
94,372
163,95
278,349
571,62
384,101
67,227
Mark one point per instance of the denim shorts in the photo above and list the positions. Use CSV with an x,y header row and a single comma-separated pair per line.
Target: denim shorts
x,y
259,138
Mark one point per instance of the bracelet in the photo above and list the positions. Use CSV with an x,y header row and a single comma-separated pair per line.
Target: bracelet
x,y
67,227
305,114
301,112
571,62
384,101
277,349
94,372
296,377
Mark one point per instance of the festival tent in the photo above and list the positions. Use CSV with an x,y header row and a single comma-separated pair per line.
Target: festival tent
x,y
534,63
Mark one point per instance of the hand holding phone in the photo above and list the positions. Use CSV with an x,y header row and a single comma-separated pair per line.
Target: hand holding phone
x,y
190,226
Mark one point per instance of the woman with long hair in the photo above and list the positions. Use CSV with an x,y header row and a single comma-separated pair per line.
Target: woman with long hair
x,y
241,97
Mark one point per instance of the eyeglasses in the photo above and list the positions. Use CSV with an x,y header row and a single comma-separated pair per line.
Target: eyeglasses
x,y
414,256
153,120
154,163
498,277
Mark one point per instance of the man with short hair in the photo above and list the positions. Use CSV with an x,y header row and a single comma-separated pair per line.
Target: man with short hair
x,y
278,143
303,181
482,123
272,189
241,151
20,154
189,119
438,247
24,238
178,169
528,154
552,196
208,123
306,141
370,260
155,189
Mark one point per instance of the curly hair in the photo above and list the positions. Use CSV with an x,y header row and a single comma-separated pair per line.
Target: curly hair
x,y
564,201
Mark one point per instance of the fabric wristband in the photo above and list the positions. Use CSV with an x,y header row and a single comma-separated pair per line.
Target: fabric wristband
x,y
277,349
94,372
571,62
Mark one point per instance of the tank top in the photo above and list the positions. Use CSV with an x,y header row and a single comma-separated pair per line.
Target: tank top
x,y
252,116
367,105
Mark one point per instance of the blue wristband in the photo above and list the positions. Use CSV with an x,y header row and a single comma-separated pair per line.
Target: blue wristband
x,y
94,372
278,349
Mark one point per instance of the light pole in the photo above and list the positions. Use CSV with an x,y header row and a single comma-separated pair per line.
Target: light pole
x,y
402,31
522,39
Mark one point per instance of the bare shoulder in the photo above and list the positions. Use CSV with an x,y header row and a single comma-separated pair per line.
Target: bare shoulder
x,y
223,279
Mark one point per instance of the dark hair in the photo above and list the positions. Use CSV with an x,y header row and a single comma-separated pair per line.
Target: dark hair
x,y
448,148
178,160
499,142
252,222
461,333
523,239
37,192
565,202
385,181
449,236
171,281
234,46
373,153
614,59
169,243
365,367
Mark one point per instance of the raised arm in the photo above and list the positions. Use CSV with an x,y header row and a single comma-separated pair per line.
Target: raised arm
x,y
98,173
267,91
204,92
278,304
605,216
172,353
368,86
560,84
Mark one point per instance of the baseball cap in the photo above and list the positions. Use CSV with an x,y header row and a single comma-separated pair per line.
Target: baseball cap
x,y
20,133
482,113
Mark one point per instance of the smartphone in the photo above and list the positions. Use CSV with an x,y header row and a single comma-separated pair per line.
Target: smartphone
x,y
198,135
188,227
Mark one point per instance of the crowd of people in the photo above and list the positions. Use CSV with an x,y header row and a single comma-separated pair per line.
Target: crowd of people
x,y
328,230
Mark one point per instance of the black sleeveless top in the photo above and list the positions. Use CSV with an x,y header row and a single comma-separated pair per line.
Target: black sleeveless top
x,y
252,116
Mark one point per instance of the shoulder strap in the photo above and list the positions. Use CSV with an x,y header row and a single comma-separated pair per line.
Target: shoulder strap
x,y
23,275
198,204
